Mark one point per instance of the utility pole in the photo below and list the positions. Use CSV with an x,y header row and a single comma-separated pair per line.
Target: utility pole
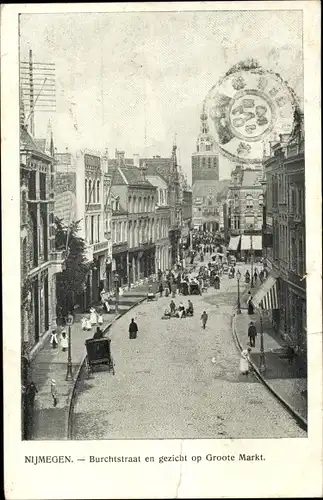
x,y
37,84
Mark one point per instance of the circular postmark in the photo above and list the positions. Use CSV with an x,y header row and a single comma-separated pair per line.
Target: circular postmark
x,y
247,108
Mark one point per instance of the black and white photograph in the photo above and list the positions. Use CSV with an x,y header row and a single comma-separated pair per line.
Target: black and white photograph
x,y
164,226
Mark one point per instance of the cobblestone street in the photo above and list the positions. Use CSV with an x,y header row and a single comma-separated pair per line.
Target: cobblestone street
x,y
177,380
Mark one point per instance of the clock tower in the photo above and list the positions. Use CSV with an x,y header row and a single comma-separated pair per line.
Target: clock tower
x,y
205,161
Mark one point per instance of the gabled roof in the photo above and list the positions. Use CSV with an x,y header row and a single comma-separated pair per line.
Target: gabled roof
x,y
28,143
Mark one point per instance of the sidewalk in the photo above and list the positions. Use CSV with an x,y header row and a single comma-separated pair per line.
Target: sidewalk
x,y
50,423
287,382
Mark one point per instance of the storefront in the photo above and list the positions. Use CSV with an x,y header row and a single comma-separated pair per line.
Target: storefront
x,y
120,262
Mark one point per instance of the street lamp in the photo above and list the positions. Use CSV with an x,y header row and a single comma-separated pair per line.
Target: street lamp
x,y
116,285
262,364
251,251
69,373
238,280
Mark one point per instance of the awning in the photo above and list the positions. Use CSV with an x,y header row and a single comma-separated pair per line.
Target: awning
x,y
253,242
267,297
234,242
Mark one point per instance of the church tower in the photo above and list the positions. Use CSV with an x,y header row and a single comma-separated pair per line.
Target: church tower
x,y
205,161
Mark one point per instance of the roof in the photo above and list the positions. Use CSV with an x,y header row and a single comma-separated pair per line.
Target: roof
x,y
128,175
218,189
29,143
158,166
114,162
250,177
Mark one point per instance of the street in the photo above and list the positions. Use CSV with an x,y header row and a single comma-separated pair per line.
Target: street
x,y
177,380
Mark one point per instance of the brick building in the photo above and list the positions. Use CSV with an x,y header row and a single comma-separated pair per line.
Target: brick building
x,y
284,237
244,210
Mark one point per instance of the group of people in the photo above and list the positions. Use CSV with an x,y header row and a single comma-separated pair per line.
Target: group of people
x,y
92,319
180,311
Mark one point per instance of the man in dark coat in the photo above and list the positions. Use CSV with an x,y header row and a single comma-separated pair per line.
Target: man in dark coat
x,y
252,334
133,329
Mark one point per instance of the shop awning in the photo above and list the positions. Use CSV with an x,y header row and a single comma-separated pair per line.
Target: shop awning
x,y
253,242
234,242
267,297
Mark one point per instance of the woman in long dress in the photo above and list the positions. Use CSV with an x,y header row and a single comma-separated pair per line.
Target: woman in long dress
x,y
245,361
93,316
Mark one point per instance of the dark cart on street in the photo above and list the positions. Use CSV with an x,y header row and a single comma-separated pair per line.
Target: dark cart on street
x,y
98,352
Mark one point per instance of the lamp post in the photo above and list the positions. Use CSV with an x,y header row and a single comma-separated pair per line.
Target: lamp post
x,y
262,363
238,280
251,251
69,373
116,285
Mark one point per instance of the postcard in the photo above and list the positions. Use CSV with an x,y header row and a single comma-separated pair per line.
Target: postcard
x,y
163,296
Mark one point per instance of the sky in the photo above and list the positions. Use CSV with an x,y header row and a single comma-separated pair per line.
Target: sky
x,y
132,81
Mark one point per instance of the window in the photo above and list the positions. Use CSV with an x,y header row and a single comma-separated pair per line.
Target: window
x,y
134,205
85,190
93,194
90,191
249,201
261,200
130,207
208,147
139,204
98,191
99,222
92,227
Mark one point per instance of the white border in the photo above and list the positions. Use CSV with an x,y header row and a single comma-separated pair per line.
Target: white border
x,y
293,468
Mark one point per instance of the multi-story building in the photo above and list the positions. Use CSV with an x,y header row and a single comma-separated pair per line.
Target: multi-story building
x,y
82,190
167,169
245,210
284,238
208,199
205,161
136,198
186,216
40,262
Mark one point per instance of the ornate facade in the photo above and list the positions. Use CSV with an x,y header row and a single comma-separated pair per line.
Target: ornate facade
x,y
205,161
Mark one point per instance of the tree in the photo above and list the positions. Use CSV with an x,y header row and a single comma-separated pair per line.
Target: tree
x,y
71,281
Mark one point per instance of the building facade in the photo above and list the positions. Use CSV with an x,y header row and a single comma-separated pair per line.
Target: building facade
x,y
168,169
284,237
40,262
136,198
208,199
245,202
205,161
83,190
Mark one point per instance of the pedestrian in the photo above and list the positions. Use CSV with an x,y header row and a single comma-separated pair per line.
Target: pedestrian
x,y
173,288
252,334
261,276
181,310
64,342
204,318
53,390
255,276
161,289
98,334
133,329
53,339
245,361
251,307
172,307
93,316
31,391
88,325
83,322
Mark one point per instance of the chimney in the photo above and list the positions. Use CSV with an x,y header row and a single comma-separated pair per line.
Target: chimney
x,y
120,157
136,160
